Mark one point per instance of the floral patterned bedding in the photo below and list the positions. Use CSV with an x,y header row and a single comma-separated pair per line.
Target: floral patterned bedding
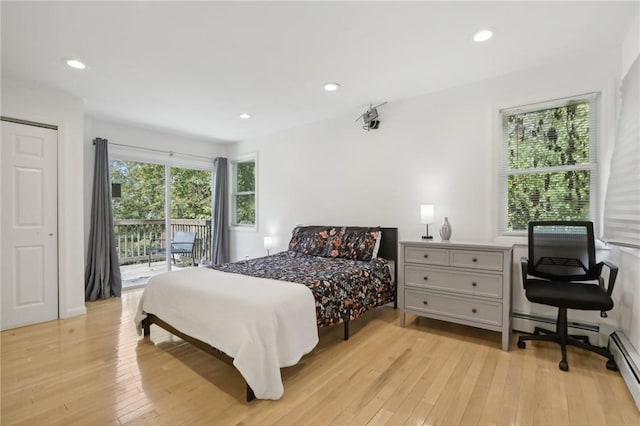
x,y
342,288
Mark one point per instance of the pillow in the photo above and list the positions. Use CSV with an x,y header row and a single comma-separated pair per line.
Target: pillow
x,y
334,248
355,243
376,248
309,240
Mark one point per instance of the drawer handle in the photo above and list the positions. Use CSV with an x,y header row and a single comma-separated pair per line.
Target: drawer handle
x,y
426,255
474,284
426,278
424,302
475,259
474,310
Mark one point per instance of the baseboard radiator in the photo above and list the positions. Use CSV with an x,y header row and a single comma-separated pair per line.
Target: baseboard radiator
x,y
524,323
628,360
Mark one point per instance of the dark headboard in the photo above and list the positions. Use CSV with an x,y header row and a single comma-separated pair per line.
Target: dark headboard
x,y
389,244
389,250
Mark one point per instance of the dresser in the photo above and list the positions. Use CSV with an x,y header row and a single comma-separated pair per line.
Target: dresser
x,y
465,283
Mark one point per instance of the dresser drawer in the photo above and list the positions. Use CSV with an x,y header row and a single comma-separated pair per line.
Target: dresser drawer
x,y
426,255
479,311
470,283
489,260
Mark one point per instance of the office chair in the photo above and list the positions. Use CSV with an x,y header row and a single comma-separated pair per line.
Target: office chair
x,y
562,258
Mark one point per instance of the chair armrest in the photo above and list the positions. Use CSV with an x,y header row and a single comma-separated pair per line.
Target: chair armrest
x,y
613,273
156,246
524,266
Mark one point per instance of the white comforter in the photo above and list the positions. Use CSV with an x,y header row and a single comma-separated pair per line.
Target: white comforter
x,y
262,324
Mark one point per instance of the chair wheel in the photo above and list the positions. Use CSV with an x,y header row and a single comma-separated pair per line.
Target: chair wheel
x,y
522,344
564,366
611,365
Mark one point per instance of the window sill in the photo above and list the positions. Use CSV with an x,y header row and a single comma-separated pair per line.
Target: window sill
x,y
516,240
244,228
522,241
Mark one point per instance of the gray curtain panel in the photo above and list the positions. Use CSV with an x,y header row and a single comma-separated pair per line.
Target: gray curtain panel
x,y
220,219
102,273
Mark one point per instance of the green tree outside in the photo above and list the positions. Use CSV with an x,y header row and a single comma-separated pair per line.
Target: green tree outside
x,y
245,193
548,139
142,186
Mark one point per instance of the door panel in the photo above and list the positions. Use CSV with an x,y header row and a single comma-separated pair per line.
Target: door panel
x,y
28,197
29,225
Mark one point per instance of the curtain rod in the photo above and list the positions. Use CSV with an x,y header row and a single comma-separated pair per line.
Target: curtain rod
x,y
162,151
28,123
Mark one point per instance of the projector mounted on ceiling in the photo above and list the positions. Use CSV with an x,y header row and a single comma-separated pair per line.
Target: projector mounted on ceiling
x,y
370,117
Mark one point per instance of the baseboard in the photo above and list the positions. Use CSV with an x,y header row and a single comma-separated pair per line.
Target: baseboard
x,y
628,361
81,310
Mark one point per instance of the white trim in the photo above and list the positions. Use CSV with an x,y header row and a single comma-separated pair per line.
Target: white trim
x,y
167,217
551,103
253,156
143,155
557,169
81,310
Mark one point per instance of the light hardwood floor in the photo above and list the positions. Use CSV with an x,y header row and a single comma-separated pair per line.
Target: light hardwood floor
x,y
95,370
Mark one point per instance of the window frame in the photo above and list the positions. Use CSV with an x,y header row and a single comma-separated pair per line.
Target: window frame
x,y
233,194
504,173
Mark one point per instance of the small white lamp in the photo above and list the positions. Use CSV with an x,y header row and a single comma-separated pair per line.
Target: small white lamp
x,y
427,213
268,243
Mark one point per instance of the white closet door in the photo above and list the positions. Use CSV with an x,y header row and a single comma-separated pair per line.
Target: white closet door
x,y
29,255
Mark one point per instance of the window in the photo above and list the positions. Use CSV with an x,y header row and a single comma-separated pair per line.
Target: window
x,y
548,162
244,192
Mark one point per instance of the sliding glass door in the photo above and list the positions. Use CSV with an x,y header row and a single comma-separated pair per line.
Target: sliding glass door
x,y
158,229
138,201
191,212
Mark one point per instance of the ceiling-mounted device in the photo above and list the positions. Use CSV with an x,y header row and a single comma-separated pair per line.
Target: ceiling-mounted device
x,y
370,117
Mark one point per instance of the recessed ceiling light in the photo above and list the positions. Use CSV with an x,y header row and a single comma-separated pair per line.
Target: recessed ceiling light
x,y
245,116
331,87
483,35
74,63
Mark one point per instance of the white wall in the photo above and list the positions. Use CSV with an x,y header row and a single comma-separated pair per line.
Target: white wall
x,y
631,45
27,101
142,138
442,148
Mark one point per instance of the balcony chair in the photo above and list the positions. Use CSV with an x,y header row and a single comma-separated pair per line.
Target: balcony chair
x,y
182,243
562,258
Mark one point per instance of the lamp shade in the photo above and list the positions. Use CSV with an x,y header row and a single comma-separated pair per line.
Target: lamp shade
x,y
427,213
268,242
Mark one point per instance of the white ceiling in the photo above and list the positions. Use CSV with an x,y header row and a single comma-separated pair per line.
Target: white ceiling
x,y
192,68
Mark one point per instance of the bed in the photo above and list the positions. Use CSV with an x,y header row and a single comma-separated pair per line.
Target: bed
x,y
263,314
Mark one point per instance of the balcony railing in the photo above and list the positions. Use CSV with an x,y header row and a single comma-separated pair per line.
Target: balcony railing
x,y
136,237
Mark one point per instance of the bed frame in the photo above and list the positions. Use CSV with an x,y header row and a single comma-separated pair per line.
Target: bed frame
x,y
388,250
152,319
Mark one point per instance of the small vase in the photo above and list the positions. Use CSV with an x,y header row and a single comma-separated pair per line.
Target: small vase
x,y
445,230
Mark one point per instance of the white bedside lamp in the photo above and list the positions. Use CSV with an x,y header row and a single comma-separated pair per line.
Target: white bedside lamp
x,y
268,243
427,213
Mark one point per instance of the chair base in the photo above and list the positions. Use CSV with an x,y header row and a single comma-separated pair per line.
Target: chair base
x,y
563,338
